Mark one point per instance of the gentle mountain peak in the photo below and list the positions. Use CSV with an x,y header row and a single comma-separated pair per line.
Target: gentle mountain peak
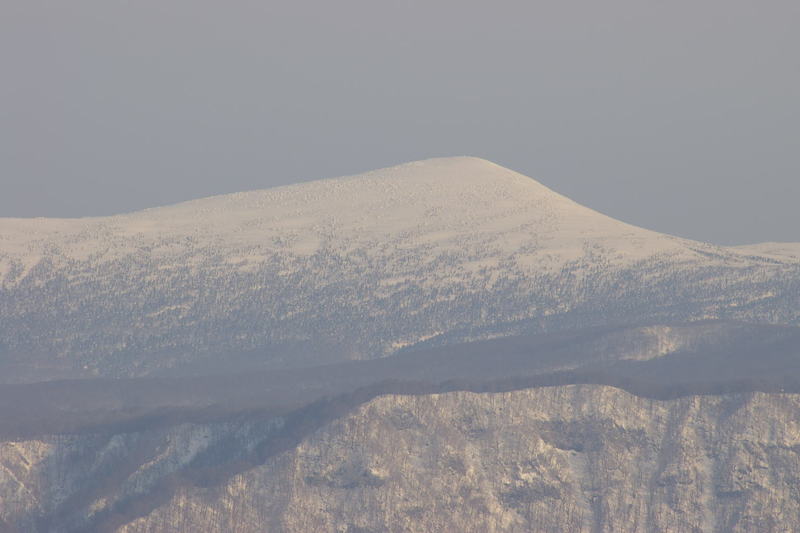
x,y
462,171
454,193
452,184
450,167
449,205
452,205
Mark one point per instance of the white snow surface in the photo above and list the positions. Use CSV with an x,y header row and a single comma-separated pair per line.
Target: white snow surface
x,y
448,204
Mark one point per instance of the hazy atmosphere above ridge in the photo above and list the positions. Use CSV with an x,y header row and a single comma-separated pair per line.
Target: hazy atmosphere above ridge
x,y
687,125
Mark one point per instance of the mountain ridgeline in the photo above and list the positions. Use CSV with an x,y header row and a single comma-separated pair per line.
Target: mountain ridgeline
x,y
445,345
437,251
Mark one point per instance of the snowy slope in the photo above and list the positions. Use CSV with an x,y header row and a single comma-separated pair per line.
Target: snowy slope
x,y
777,250
445,204
356,267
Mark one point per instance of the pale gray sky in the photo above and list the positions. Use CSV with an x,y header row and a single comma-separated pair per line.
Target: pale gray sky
x,y
680,116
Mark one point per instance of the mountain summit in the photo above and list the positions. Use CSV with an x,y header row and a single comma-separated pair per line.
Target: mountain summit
x,y
444,202
435,251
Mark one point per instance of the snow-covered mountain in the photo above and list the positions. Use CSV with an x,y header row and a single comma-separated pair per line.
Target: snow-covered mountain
x,y
446,345
431,252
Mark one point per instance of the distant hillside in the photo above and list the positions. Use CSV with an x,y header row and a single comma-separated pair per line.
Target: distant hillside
x,y
435,252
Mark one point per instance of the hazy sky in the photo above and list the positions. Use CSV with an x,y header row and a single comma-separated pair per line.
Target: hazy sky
x,y
680,116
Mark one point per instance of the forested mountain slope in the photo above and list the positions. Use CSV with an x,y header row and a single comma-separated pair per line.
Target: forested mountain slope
x,y
436,251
